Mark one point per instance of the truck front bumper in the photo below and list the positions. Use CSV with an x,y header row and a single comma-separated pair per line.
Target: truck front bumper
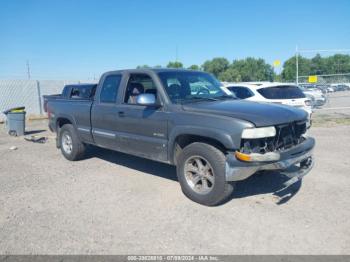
x,y
237,170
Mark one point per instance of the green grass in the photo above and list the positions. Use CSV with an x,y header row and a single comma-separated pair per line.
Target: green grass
x,y
329,121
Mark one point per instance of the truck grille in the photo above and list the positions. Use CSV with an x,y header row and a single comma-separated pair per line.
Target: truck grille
x,y
287,136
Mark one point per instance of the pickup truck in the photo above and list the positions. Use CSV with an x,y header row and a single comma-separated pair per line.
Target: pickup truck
x,y
183,118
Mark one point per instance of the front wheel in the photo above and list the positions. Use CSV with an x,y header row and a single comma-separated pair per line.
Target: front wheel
x,y
71,146
201,173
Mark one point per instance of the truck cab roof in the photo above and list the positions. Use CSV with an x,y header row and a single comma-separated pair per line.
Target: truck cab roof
x,y
150,70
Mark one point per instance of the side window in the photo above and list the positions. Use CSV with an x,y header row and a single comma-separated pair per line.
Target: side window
x,y
110,88
139,84
241,92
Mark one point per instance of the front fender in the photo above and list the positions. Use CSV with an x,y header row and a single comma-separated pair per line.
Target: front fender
x,y
217,134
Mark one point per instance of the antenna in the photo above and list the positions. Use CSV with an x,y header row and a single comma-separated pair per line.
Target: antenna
x,y
28,69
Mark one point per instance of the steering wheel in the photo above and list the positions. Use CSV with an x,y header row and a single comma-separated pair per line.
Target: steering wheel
x,y
203,91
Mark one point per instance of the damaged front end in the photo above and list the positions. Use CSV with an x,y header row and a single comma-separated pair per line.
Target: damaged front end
x,y
282,147
286,136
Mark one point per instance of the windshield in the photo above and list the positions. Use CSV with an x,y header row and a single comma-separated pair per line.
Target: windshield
x,y
182,86
281,92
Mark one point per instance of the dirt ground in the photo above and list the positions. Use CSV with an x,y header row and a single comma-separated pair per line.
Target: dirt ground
x,y
336,109
112,203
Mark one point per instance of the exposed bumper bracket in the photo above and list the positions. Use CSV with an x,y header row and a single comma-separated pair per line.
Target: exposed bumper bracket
x,y
288,164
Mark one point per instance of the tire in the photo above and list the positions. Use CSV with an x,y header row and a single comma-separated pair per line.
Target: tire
x,y
77,148
213,189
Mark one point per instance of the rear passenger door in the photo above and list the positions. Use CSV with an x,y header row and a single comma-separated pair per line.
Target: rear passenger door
x,y
104,112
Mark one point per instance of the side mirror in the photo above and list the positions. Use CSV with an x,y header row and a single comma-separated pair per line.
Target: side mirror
x,y
146,100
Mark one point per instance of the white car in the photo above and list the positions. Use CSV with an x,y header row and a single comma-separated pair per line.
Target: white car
x,y
330,90
315,95
271,92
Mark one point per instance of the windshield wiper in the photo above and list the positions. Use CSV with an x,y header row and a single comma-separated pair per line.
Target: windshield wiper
x,y
198,99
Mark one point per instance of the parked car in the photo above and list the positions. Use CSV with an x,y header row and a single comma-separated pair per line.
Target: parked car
x,y
330,89
212,138
277,93
315,95
340,87
347,86
323,88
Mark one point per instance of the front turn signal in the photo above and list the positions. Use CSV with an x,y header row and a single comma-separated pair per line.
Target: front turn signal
x,y
243,157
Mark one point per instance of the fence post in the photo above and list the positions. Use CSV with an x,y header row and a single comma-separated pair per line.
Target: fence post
x,y
39,97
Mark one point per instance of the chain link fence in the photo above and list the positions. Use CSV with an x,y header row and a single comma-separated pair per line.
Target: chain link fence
x,y
327,79
28,93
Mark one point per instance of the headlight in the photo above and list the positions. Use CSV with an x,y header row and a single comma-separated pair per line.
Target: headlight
x,y
259,132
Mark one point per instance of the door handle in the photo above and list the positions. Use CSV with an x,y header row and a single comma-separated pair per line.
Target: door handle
x,y
121,114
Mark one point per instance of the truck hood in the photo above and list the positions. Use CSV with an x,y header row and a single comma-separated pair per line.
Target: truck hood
x,y
260,114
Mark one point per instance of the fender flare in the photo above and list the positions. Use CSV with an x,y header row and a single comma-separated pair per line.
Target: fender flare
x,y
217,134
70,119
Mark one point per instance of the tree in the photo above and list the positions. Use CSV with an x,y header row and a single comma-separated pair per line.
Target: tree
x,y
230,75
318,65
142,66
253,69
194,67
216,66
289,68
337,64
175,64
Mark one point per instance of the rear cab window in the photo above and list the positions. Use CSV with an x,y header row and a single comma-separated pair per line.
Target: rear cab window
x,y
85,92
281,92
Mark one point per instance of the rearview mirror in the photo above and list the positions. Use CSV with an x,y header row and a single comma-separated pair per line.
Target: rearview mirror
x,y
146,100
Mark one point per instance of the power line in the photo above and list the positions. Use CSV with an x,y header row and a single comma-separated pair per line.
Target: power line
x,y
323,50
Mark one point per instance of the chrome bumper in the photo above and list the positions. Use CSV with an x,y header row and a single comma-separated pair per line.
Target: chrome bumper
x,y
237,170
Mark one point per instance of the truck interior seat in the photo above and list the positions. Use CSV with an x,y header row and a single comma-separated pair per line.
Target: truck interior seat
x,y
134,89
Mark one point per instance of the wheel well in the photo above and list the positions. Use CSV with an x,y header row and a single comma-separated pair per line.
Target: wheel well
x,y
184,140
62,121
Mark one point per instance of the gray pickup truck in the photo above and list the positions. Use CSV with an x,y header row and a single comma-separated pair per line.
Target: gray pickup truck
x,y
183,118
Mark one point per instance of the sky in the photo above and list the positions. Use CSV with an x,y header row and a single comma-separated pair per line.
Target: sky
x,y
81,39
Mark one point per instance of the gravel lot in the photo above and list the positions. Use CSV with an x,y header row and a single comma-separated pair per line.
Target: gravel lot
x,y
338,105
112,203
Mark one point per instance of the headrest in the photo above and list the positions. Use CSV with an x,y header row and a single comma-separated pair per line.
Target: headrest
x,y
136,89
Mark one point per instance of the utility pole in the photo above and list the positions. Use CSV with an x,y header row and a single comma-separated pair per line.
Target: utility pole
x,y
297,64
28,69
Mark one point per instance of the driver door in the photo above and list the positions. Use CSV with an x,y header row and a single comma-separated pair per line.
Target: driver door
x,y
142,130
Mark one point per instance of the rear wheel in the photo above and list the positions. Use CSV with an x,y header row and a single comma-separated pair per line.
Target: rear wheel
x,y
201,173
71,146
